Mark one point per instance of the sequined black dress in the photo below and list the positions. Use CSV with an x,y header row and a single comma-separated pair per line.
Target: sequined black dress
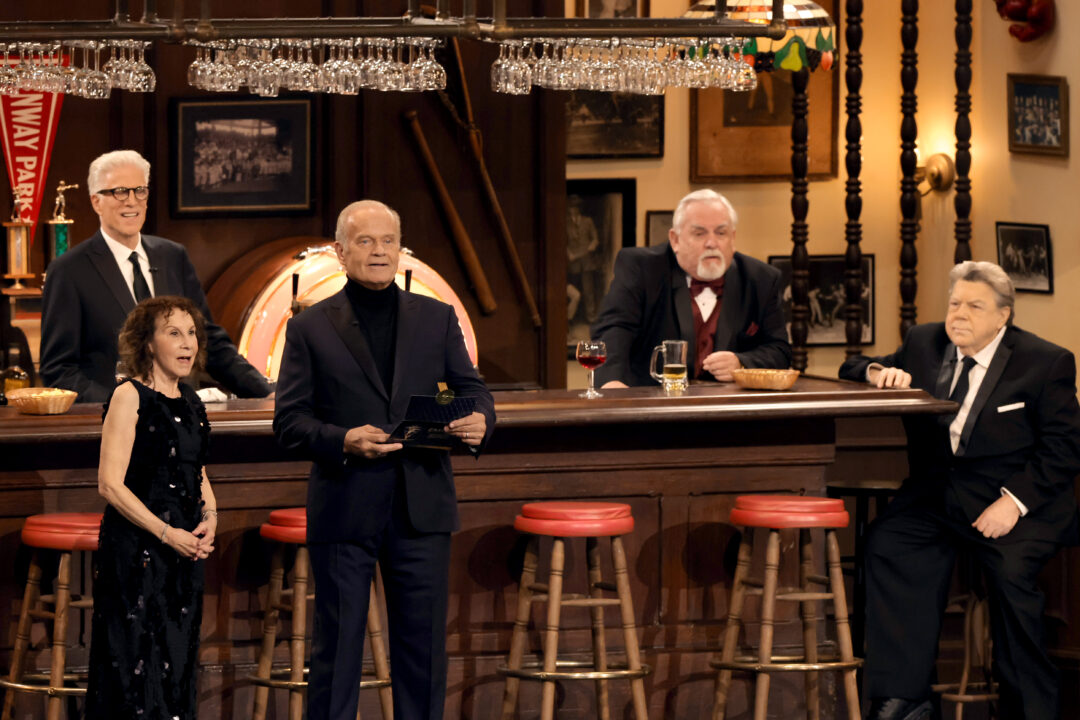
x,y
147,598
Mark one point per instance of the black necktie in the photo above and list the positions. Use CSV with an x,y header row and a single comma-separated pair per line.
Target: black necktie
x,y
142,290
961,390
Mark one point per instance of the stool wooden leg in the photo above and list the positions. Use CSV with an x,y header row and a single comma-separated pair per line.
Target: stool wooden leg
x,y
59,642
270,626
592,549
378,653
626,605
519,636
22,632
551,630
809,623
301,572
768,609
731,630
843,629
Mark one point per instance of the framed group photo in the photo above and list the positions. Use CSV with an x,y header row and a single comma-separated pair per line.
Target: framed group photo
x,y
600,219
241,157
827,298
1038,108
1023,251
611,8
614,125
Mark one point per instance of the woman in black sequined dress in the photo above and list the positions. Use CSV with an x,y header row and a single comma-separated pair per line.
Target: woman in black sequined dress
x,y
159,524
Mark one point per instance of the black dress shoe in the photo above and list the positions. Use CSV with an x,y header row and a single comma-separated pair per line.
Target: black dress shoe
x,y
899,709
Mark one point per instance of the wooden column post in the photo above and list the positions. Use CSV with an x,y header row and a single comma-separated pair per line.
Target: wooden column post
x,y
853,282
800,259
909,194
962,199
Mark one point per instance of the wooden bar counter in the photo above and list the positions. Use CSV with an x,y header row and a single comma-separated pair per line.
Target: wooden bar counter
x,y
678,461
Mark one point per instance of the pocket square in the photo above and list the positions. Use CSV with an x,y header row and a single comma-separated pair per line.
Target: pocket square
x,y
752,330
1007,408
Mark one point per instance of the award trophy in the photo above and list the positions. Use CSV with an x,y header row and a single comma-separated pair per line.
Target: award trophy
x,y
59,225
18,248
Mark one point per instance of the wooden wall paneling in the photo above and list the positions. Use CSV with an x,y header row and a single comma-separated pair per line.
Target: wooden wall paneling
x,y
909,191
962,199
853,278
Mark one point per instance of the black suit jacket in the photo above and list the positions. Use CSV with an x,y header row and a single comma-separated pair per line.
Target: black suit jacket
x,y
1023,431
328,384
649,302
86,301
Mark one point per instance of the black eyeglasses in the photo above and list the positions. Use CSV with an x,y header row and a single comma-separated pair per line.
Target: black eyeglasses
x,y
121,193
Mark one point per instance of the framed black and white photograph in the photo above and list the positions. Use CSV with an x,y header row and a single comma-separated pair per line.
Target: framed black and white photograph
x,y
827,298
1023,251
1038,107
657,224
241,157
599,222
611,8
614,125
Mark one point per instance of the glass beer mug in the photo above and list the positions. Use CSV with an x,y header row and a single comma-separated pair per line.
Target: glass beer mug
x,y
673,376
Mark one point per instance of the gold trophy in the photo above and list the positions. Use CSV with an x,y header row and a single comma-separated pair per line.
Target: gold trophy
x,y
59,225
18,248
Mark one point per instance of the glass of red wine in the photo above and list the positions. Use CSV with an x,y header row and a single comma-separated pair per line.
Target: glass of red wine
x,y
591,354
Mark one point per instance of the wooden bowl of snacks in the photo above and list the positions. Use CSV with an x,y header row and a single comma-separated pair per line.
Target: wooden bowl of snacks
x,y
765,378
42,401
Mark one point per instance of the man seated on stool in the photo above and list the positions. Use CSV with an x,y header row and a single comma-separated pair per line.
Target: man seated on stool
x,y
90,290
994,479
695,287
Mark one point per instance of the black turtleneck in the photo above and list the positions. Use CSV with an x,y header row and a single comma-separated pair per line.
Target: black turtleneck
x,y
376,311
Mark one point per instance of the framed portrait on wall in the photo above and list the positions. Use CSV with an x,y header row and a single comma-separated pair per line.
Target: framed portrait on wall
x,y
746,136
827,298
599,222
1038,109
657,224
611,8
614,125
241,157
1023,251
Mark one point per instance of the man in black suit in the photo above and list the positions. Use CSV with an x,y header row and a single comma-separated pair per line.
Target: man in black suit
x,y
994,479
90,290
350,365
695,287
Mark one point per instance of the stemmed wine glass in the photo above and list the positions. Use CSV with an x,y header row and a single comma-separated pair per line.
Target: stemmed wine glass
x,y
591,354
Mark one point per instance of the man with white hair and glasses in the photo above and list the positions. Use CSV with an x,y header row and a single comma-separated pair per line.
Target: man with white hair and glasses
x,y
696,288
90,290
993,479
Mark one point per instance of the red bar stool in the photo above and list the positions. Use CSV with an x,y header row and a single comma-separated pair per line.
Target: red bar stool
x,y
289,527
776,512
560,520
66,532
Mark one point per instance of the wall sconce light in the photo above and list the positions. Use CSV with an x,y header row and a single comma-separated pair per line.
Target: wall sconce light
x,y
939,173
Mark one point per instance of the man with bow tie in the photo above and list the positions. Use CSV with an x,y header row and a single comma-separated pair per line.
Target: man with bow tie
x,y
994,479
695,287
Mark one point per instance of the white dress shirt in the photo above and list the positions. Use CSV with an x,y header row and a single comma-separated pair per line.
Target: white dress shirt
x,y
706,300
975,378
122,252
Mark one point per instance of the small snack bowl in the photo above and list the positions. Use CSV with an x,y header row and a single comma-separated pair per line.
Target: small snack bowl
x,y
765,378
42,401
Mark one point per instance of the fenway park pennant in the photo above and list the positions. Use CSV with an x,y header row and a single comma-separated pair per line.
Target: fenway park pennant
x,y
27,129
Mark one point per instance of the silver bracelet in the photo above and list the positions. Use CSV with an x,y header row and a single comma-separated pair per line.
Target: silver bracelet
x,y
207,513
164,529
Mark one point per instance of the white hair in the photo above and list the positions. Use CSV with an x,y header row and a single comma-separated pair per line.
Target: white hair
x,y
705,195
990,274
343,216
104,164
